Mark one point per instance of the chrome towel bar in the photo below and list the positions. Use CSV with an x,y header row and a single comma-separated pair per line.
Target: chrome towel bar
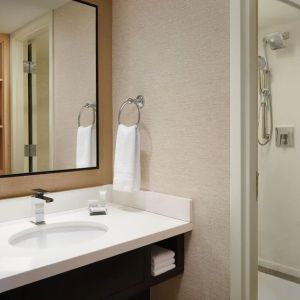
x,y
89,106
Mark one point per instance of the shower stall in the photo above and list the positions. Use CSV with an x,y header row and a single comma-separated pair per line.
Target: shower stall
x,y
265,114
278,149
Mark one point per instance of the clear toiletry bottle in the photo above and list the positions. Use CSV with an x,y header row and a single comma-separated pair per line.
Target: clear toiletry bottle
x,y
102,198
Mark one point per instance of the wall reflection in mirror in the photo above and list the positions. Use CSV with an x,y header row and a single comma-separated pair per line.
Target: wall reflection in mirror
x,y
48,86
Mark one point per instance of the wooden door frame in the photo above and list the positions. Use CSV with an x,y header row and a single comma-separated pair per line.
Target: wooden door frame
x,y
17,42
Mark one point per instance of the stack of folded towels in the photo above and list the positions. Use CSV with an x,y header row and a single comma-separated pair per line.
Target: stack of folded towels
x,y
162,260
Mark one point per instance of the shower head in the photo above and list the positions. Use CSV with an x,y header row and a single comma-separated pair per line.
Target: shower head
x,y
276,40
261,63
290,3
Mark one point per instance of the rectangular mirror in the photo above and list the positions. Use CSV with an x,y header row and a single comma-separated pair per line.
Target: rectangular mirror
x,y
48,86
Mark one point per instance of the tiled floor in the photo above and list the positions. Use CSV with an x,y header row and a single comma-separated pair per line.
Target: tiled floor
x,y
274,288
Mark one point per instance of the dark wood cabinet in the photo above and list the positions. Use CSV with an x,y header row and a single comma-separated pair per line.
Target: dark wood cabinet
x,y
125,276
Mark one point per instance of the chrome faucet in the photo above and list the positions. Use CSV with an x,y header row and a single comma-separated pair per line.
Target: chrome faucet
x,y
39,203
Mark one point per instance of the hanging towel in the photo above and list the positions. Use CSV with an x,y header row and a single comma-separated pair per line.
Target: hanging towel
x,y
127,169
94,147
84,147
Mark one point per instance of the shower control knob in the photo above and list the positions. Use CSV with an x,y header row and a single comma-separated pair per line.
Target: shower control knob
x,y
285,136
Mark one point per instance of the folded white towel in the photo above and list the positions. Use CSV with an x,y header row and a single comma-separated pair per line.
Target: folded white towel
x,y
162,270
160,254
127,169
163,264
84,147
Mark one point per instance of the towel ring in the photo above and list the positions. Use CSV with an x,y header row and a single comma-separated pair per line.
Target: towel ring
x,y
139,102
90,106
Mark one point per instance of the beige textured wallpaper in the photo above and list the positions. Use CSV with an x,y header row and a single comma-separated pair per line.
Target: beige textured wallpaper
x,y
176,54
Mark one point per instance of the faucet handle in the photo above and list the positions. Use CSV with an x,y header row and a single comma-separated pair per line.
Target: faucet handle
x,y
40,192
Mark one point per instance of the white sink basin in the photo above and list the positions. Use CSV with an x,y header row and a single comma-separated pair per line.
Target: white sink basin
x,y
58,235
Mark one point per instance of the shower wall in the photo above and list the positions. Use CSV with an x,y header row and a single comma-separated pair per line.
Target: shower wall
x,y
279,168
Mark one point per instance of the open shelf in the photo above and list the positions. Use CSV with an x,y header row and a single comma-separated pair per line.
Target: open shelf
x,y
177,245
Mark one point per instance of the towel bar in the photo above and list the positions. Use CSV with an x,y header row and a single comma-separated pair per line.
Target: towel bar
x,y
91,106
139,102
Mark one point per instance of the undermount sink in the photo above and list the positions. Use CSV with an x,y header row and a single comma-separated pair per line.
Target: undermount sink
x,y
58,235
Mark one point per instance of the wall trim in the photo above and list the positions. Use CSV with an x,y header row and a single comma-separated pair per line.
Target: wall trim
x,y
243,149
17,40
279,267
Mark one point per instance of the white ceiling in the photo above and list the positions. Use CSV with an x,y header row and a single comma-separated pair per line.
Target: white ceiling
x,y
272,12
16,13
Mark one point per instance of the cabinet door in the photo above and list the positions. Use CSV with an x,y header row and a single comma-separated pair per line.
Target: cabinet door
x,y
142,296
47,289
100,280
12,295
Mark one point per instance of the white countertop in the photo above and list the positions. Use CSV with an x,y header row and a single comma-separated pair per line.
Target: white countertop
x,y
128,229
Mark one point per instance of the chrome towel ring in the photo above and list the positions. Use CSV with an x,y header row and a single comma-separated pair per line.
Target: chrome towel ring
x,y
139,102
89,106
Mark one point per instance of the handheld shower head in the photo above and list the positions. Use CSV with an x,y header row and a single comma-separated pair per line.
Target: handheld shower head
x,y
276,40
261,63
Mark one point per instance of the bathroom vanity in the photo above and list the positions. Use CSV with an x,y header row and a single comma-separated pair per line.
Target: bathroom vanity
x,y
58,65
124,276
114,263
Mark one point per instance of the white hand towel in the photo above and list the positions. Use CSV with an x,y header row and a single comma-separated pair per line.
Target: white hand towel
x,y
94,147
160,254
127,169
84,146
162,264
163,270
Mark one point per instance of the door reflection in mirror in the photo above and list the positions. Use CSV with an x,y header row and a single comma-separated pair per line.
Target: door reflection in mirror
x,y
48,73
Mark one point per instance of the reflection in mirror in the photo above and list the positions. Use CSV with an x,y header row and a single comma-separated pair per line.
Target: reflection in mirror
x,y
48,86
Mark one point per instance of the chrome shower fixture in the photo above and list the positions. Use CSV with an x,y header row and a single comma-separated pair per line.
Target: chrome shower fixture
x,y
276,40
265,113
264,76
261,63
290,3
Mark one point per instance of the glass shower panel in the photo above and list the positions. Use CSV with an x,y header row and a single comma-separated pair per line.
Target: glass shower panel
x,y
278,147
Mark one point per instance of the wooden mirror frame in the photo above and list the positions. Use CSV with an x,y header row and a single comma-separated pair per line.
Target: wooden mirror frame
x,y
22,185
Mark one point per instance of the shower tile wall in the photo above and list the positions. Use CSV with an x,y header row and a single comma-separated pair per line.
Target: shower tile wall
x,y
279,188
